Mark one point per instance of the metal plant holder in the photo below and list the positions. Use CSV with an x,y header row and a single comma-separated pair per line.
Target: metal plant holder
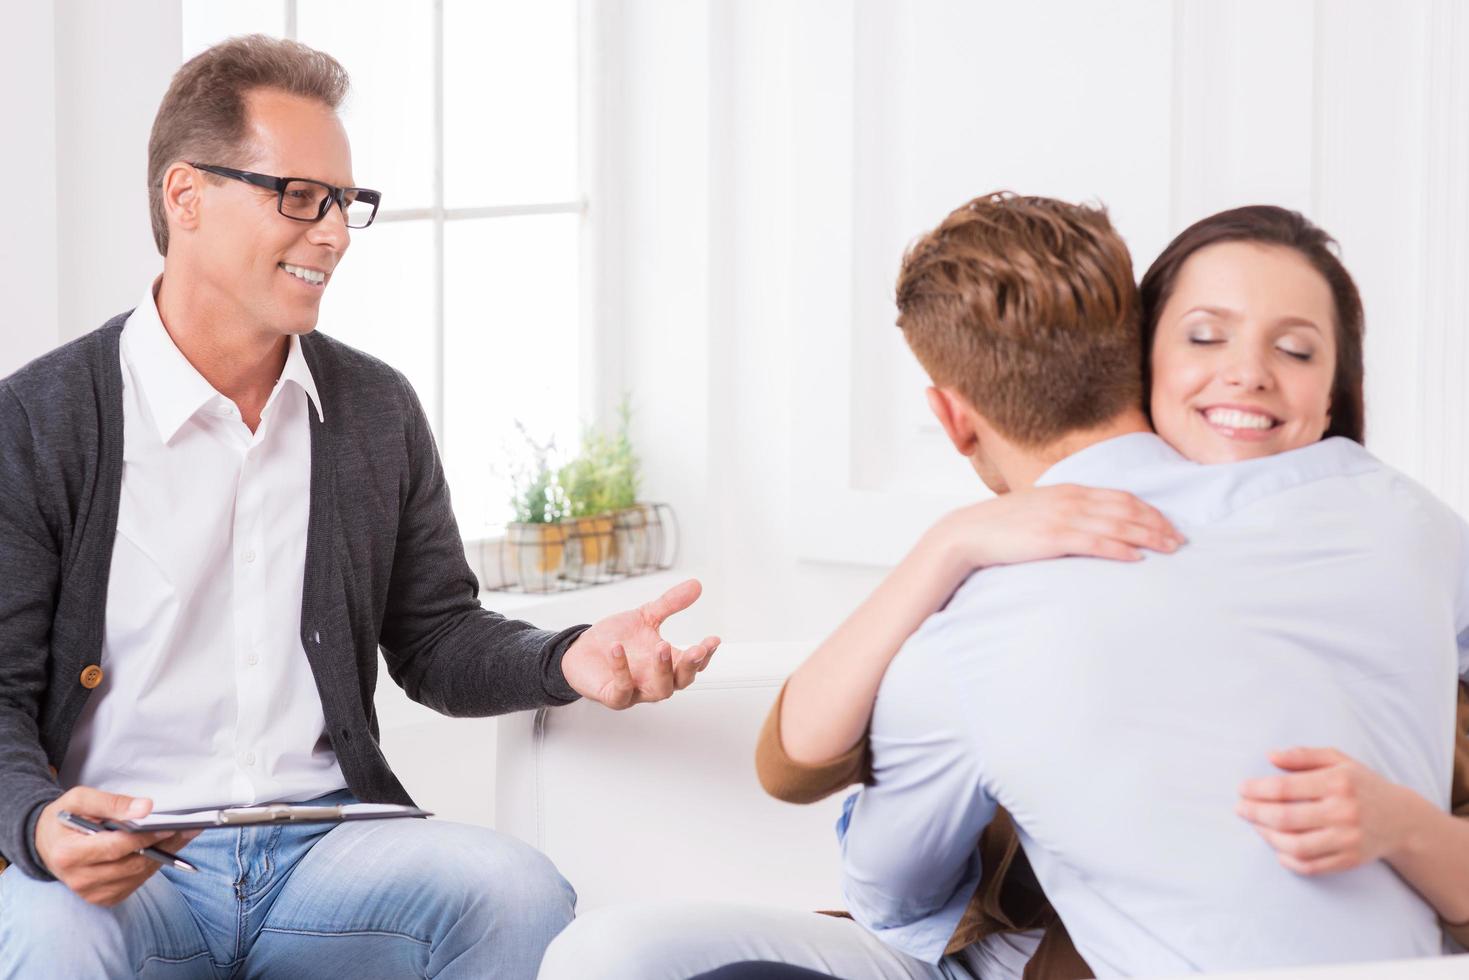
x,y
578,552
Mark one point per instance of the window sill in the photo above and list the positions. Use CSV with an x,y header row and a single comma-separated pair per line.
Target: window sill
x,y
558,610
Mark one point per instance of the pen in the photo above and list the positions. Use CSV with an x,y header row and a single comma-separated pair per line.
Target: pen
x,y
88,827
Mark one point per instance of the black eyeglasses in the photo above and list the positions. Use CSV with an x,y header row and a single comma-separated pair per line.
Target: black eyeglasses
x,y
303,199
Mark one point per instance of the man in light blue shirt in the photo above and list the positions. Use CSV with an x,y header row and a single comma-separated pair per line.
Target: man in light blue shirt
x,y
1115,708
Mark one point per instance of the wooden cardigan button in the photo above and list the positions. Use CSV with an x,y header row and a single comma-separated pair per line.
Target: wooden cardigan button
x,y
91,676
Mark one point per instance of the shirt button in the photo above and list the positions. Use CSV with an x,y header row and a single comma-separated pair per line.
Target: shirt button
x,y
249,758
250,557
252,660
91,676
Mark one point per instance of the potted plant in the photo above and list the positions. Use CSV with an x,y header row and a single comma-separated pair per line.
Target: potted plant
x,y
601,486
630,520
536,540
590,540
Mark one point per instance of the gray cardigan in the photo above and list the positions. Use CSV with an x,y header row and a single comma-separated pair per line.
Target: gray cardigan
x,y
385,568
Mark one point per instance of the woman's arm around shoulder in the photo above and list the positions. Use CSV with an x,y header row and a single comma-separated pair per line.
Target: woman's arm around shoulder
x,y
817,726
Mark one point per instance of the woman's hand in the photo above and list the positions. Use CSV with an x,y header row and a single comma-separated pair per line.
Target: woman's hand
x,y
828,700
1051,521
1328,812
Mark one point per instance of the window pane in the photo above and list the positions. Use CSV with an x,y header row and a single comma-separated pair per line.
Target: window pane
x,y
510,352
510,102
381,300
387,47
207,22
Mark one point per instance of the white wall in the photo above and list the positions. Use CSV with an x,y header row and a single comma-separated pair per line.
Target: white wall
x,y
113,64
776,157
28,173
761,163
82,79
700,131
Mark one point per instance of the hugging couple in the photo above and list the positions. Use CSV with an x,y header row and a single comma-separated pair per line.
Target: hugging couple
x,y
1182,697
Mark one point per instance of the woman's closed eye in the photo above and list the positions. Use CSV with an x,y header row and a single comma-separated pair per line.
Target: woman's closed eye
x,y
1300,354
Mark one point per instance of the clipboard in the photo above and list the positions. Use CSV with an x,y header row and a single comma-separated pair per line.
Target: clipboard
x,y
273,813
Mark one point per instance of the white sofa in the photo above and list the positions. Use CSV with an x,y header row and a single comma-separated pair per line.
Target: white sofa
x,y
662,801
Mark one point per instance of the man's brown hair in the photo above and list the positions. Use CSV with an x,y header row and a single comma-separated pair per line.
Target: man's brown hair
x,y
1027,307
203,113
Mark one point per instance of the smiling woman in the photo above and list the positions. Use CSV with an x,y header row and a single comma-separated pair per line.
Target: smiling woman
x,y
1252,337
1234,378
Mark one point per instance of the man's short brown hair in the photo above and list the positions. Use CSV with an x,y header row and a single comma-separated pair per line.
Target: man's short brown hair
x,y
1027,307
203,113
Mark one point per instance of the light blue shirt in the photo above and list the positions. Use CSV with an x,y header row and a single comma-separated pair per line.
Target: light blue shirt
x,y
1114,709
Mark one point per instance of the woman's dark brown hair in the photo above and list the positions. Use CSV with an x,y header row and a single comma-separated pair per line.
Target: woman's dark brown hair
x,y
1268,225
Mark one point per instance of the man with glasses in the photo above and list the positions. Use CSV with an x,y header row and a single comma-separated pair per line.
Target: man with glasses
x,y
210,521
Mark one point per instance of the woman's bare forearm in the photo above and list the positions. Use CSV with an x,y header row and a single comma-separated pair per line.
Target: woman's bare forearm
x,y
1434,857
828,700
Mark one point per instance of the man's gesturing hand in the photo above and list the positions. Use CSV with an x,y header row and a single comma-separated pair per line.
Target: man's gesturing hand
x,y
623,660
105,868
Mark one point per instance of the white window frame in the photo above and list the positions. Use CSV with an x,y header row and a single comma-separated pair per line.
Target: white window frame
x,y
588,380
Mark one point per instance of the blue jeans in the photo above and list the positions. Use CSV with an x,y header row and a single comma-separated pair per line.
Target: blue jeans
x,y
380,898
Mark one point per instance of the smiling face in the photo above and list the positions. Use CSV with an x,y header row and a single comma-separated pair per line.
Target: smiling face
x,y
1244,355
267,270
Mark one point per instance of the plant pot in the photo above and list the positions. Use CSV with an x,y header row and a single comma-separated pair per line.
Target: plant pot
x,y
536,554
632,540
589,547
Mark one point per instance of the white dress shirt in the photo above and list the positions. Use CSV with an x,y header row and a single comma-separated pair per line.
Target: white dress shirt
x,y
1114,708
207,699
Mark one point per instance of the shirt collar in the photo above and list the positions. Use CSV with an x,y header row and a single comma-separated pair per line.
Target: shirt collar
x,y
172,387
1100,462
1198,491
299,371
